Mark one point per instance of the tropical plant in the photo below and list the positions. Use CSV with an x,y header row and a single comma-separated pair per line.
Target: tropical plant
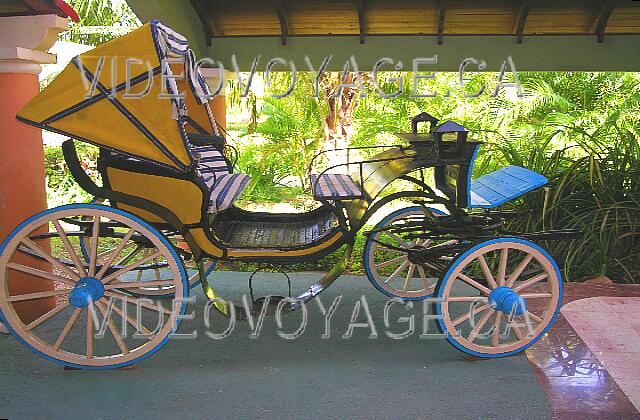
x,y
100,21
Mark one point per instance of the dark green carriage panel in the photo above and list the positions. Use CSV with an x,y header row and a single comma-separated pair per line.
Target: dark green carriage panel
x,y
385,168
452,172
377,174
453,176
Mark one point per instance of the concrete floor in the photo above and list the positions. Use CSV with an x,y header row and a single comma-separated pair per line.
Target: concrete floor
x,y
270,377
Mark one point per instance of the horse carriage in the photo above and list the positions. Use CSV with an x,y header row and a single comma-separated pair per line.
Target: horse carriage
x,y
167,176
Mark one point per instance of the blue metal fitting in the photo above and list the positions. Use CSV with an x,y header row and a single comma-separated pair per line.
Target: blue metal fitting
x,y
505,299
86,290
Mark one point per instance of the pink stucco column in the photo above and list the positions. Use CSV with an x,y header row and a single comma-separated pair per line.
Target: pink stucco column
x,y
24,41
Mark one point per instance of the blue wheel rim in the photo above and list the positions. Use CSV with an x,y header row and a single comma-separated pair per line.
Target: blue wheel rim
x,y
447,277
183,275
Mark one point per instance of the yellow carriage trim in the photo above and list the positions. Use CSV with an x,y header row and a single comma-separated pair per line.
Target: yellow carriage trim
x,y
105,111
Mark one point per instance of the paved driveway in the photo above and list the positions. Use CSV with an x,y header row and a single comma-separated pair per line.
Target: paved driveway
x,y
270,377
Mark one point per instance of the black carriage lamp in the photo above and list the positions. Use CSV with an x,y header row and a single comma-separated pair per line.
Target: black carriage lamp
x,y
423,117
449,132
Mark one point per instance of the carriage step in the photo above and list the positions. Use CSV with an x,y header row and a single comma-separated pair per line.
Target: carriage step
x,y
334,187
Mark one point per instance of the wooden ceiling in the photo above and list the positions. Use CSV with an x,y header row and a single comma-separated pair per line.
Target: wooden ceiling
x,y
518,18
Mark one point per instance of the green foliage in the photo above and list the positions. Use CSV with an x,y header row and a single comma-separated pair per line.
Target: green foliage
x,y
579,129
100,21
284,141
61,187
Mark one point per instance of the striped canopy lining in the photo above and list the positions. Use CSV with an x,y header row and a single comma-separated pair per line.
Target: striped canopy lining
x,y
172,45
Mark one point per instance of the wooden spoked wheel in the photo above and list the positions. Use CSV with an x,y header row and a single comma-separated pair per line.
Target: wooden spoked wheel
x,y
95,323
390,270
154,272
499,297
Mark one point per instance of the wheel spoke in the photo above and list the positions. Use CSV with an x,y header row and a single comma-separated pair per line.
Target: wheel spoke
x,y
115,253
396,273
114,330
519,270
130,255
128,268
40,273
65,331
476,330
530,282
130,320
516,330
69,248
136,284
502,271
142,303
90,313
423,276
46,316
399,240
473,283
145,254
35,248
93,256
495,337
38,295
469,314
431,266
407,281
487,272
392,261
466,299
533,316
535,295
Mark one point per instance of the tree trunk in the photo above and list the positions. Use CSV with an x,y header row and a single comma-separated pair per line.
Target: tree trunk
x,y
338,122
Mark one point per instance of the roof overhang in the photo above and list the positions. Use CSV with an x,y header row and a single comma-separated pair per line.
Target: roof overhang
x,y
545,35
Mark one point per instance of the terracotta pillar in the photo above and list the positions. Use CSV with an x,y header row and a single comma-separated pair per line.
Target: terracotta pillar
x,y
24,41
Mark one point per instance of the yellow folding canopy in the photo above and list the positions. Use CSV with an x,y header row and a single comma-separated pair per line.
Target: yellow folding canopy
x,y
137,112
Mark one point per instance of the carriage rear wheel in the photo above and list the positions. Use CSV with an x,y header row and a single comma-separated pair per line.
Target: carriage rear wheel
x,y
95,323
498,297
157,271
390,270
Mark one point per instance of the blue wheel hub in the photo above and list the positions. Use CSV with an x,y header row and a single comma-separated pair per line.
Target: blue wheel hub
x,y
86,290
505,299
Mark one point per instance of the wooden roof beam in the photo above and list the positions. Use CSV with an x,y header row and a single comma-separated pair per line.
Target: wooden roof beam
x,y
361,21
441,15
522,19
600,23
205,20
282,17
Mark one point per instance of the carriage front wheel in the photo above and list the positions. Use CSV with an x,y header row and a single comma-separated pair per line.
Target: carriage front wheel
x,y
95,323
498,297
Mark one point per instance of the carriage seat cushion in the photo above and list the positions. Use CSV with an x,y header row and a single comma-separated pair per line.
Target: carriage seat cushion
x,y
214,170
210,161
503,185
225,190
334,187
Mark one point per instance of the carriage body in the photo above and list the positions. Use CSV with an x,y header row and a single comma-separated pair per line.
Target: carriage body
x,y
169,179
